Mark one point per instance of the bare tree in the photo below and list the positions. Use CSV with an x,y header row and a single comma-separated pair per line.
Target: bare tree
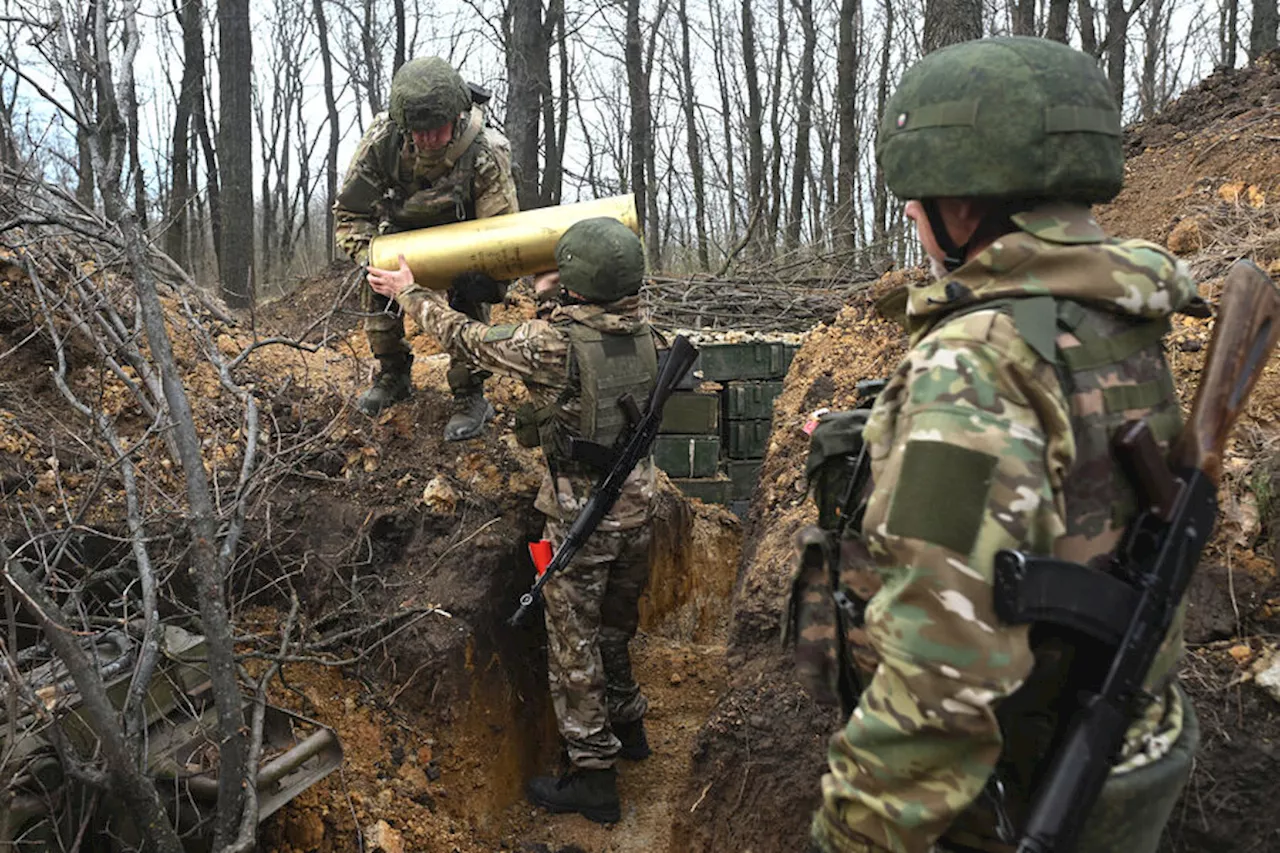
x,y
335,133
880,193
1088,28
804,122
1116,44
847,62
190,15
235,149
1228,33
639,64
693,145
527,43
755,114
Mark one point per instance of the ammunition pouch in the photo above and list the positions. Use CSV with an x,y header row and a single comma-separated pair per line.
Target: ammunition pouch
x,y
1135,805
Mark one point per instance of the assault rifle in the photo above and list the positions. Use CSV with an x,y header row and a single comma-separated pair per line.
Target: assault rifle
x,y
639,440
1132,608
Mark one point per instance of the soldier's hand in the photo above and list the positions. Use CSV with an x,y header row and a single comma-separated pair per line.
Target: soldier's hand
x,y
390,283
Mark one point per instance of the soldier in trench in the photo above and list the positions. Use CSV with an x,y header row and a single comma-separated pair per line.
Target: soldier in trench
x,y
588,348
1037,338
429,160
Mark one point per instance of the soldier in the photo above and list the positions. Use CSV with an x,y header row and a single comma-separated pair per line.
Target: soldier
x,y
429,161
1037,338
593,347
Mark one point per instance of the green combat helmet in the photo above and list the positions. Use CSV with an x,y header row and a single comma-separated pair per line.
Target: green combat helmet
x,y
601,259
427,93
1010,118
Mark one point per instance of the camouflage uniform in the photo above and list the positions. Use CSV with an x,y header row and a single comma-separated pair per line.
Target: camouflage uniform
x,y
994,433
391,186
591,606
973,450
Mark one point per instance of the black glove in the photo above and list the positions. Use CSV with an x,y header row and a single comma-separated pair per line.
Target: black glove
x,y
477,288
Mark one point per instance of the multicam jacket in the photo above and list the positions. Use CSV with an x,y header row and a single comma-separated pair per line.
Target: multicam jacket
x,y
974,448
391,186
537,353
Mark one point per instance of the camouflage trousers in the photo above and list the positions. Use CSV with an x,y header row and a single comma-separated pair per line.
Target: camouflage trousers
x,y
591,614
384,329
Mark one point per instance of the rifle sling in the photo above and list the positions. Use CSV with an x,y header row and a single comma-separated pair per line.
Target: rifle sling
x,y
1043,589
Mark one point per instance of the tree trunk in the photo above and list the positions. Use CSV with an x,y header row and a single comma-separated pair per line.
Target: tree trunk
x,y
1056,24
1262,34
549,191
213,178
1117,48
372,58
1228,24
950,22
399,57
335,135
755,114
693,146
720,52
235,145
804,123
191,19
767,242
1024,18
527,53
880,193
638,93
847,62
1088,31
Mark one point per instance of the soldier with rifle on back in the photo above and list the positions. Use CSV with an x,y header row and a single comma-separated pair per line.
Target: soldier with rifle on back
x,y
1003,693
430,160
593,349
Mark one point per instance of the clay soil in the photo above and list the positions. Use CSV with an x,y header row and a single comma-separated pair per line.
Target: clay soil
x,y
415,549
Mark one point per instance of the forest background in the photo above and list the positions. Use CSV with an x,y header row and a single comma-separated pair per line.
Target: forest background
x,y
745,128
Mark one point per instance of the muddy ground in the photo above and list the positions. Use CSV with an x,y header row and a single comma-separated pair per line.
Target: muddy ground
x,y
407,555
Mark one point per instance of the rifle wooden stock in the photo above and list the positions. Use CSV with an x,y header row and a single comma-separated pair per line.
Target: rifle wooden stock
x,y
1244,335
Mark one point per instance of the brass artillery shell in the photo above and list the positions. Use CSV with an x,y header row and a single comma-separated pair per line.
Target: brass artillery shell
x,y
504,247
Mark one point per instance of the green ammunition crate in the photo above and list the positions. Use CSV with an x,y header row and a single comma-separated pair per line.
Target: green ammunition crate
x,y
691,413
687,455
747,439
724,362
744,474
712,490
749,401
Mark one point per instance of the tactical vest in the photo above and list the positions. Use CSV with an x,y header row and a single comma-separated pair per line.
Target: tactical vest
x,y
1112,369
602,368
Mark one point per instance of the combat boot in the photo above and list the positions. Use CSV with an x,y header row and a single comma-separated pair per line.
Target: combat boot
x,y
591,793
471,412
391,385
635,745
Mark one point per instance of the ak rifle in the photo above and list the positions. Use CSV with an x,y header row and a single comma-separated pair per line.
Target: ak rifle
x,y
639,441
1132,607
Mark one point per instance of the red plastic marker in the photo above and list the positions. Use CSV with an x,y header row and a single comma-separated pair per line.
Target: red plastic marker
x,y
540,553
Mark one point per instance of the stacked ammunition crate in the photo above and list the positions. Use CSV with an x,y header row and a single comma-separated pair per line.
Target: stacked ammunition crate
x,y
712,444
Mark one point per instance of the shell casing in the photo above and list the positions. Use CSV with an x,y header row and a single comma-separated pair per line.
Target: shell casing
x,y
503,247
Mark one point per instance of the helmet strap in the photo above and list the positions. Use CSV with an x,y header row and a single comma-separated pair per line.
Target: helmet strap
x,y
953,255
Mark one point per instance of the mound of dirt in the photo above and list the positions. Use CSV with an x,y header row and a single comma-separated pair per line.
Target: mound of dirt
x,y
1211,159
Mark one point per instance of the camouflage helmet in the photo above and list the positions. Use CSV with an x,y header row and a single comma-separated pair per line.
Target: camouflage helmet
x,y
1012,118
600,259
427,93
